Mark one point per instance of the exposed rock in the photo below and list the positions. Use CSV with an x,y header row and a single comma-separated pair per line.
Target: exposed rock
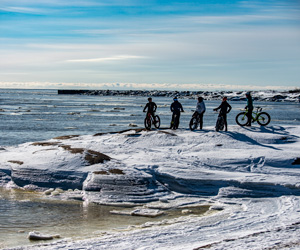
x,y
38,236
93,157
73,150
296,161
167,133
65,137
45,144
116,171
137,130
17,162
101,172
209,95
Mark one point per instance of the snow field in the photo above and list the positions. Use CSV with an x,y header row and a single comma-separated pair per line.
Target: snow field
x,y
250,173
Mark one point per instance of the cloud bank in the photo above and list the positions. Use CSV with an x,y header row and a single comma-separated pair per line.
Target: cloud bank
x,y
139,86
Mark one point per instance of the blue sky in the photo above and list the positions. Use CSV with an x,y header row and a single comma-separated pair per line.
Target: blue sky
x,y
150,44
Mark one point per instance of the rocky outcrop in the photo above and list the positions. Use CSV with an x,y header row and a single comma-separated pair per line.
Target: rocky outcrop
x,y
126,186
272,96
47,179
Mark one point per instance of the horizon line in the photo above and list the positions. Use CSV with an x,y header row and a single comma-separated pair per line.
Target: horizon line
x,y
142,86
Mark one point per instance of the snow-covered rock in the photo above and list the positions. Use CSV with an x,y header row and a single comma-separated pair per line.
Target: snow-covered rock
x,y
249,176
39,236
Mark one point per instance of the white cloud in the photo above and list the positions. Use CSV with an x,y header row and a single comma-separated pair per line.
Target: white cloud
x,y
24,10
139,86
105,59
241,19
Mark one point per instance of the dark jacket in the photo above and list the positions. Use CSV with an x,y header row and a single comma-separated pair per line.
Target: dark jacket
x,y
249,103
151,106
224,108
176,107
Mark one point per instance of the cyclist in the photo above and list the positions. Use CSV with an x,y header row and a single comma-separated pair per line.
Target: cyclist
x,y
200,110
249,108
176,108
224,109
151,107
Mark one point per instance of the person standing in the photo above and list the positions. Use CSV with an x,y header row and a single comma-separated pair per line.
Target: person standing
x,y
200,109
224,109
249,108
151,107
176,108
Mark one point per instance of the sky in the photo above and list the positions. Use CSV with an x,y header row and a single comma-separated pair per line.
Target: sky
x,y
150,44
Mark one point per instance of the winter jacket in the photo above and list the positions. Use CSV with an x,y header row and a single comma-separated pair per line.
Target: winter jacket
x,y
200,108
176,107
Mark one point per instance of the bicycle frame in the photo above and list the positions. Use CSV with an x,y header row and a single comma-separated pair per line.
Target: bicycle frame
x,y
175,121
262,118
256,114
195,120
197,116
149,116
149,119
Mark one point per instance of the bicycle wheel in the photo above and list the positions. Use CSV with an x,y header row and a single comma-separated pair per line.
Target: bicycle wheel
x,y
220,124
176,122
156,121
193,123
147,123
263,119
241,119
171,124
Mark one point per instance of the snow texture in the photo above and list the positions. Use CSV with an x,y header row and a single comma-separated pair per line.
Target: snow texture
x,y
248,176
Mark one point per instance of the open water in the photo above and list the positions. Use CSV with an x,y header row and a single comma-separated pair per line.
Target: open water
x,y
35,115
22,212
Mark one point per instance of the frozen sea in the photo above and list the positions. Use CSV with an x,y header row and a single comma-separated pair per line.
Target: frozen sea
x,y
35,115
249,177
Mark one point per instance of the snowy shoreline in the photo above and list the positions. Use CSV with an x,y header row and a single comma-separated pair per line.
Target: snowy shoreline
x,y
249,177
268,96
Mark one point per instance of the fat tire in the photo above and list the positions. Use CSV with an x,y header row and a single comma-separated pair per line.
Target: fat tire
x,y
174,123
263,119
219,124
193,123
147,123
241,119
156,121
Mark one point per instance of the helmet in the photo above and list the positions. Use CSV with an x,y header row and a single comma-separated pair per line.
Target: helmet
x,y
175,98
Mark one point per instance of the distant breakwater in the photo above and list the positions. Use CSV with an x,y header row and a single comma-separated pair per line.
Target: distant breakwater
x,y
270,95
